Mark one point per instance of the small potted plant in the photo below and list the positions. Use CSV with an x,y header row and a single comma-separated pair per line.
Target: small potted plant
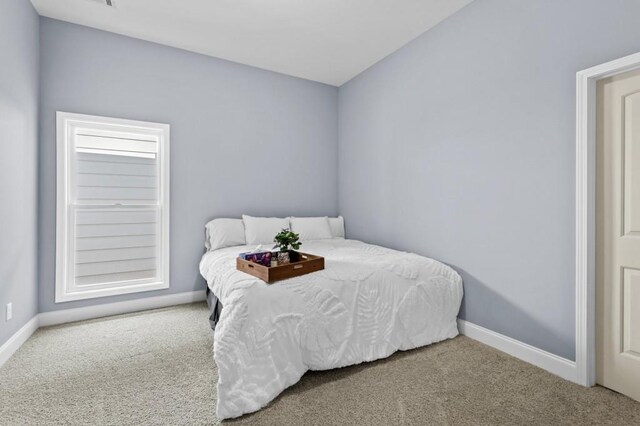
x,y
287,242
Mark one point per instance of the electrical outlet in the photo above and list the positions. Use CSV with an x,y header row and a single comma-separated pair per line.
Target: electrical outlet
x,y
9,311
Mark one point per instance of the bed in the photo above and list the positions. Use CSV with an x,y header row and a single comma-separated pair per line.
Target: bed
x,y
367,303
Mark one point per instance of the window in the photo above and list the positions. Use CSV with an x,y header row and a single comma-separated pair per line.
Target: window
x,y
112,234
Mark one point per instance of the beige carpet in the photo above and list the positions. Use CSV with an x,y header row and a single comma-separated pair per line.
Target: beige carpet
x,y
156,368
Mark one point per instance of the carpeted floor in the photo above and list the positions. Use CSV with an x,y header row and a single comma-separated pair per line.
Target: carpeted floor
x,y
157,368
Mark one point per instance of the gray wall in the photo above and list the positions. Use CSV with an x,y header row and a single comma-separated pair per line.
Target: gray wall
x,y
460,146
243,140
18,163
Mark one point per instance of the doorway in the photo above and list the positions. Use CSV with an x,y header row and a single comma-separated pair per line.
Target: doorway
x,y
617,236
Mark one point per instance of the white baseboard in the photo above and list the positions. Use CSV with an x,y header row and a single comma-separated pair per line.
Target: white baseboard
x,y
552,363
17,340
547,361
108,309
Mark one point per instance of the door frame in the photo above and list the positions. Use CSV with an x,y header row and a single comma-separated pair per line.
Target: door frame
x,y
585,265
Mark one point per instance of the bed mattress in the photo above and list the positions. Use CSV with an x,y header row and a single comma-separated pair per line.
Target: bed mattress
x,y
367,303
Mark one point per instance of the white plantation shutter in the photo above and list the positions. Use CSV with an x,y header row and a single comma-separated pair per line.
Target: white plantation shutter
x,y
113,207
115,179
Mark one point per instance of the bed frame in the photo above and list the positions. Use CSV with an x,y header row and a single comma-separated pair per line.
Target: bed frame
x,y
215,308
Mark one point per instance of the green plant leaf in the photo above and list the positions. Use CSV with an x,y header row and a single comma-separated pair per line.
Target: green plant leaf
x,y
287,240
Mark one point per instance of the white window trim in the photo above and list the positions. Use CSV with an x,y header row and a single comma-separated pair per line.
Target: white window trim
x,y
64,123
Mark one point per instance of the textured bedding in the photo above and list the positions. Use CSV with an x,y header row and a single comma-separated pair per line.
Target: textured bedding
x,y
366,304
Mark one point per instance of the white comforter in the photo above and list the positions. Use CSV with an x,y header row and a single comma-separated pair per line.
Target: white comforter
x,y
366,304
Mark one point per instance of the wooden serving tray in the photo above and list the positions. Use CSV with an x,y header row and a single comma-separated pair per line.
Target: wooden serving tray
x,y
308,263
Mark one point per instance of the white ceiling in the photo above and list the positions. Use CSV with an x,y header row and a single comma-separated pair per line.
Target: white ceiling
x,y
329,41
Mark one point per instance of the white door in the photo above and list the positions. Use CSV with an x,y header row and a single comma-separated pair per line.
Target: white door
x,y
618,234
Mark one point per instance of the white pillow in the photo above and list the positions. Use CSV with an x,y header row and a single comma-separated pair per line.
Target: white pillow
x,y
221,233
311,228
337,226
261,230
